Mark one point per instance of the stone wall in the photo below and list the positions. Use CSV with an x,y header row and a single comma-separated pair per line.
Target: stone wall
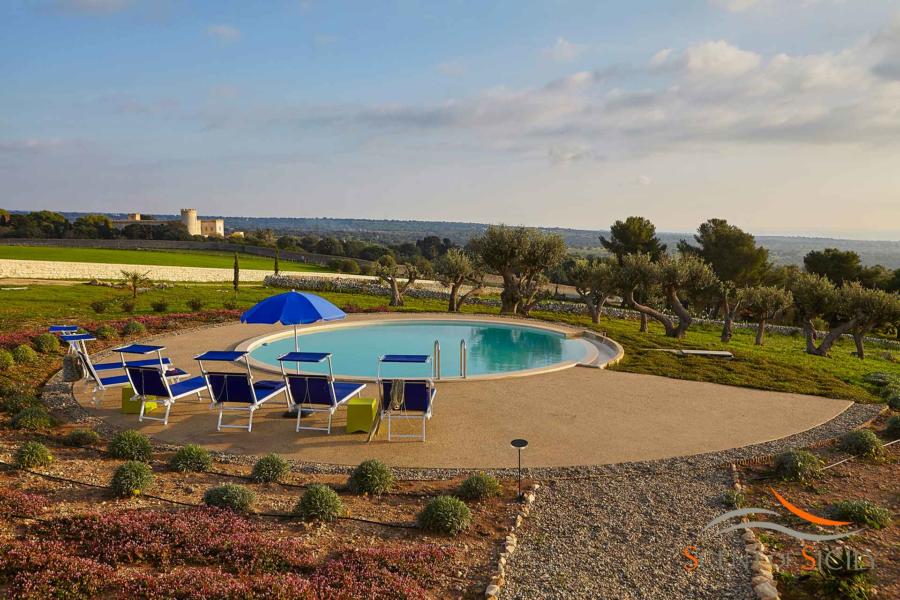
x,y
125,244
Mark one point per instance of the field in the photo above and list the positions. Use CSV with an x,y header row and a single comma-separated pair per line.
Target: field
x,y
180,258
779,365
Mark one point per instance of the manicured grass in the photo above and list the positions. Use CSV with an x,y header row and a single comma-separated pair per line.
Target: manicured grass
x,y
779,365
179,258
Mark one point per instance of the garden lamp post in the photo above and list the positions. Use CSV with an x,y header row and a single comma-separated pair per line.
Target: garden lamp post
x,y
519,444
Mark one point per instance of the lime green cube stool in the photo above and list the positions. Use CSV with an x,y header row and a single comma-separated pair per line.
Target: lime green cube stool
x,y
361,414
133,407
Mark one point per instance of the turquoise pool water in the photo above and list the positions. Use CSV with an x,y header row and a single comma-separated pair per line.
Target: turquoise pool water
x,y
492,348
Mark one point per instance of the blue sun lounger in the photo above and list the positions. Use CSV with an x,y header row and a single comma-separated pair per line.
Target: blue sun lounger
x,y
77,344
231,391
417,397
313,393
150,385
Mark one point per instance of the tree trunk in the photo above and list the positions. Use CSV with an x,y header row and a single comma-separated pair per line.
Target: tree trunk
x,y
809,330
396,294
644,323
833,336
760,332
462,299
509,297
646,311
684,317
860,346
453,304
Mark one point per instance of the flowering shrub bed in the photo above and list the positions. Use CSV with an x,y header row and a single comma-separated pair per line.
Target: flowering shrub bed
x,y
202,554
17,502
199,536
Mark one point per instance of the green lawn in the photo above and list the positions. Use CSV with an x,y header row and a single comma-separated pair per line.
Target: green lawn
x,y
779,365
173,258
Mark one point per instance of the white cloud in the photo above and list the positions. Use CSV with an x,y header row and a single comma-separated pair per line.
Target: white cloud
x,y
747,5
719,59
564,50
661,58
223,32
643,180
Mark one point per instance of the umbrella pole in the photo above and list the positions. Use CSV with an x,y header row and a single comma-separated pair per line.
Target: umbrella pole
x,y
297,346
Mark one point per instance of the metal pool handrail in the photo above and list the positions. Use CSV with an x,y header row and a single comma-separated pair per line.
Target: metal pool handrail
x,y
463,359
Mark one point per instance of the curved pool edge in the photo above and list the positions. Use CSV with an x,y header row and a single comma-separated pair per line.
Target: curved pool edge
x,y
597,343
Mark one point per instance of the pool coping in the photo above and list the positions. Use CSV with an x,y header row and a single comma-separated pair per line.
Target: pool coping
x,y
595,359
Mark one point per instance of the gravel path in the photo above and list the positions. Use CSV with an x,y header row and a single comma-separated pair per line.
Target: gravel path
x,y
617,531
621,537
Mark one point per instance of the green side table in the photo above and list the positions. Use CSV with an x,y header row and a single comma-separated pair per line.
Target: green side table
x,y
361,414
133,407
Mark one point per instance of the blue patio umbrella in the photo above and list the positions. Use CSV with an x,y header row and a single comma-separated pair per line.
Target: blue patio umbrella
x,y
293,308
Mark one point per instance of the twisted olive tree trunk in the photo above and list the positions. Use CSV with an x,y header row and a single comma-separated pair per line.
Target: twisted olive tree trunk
x,y
510,297
663,319
830,338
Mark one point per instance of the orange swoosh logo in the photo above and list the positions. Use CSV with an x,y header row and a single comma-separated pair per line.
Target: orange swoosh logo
x,y
805,515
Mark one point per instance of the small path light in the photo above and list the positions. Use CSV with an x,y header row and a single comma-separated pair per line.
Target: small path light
x,y
519,444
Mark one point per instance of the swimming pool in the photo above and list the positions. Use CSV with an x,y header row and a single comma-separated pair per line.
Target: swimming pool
x,y
492,348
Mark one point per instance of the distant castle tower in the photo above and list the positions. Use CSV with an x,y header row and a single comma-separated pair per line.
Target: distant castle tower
x,y
190,220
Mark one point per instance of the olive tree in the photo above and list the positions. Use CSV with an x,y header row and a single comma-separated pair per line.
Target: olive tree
x,y
399,276
764,303
733,300
519,256
456,269
595,281
676,277
869,310
816,297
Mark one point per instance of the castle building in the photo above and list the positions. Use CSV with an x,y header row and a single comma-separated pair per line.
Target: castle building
x,y
193,224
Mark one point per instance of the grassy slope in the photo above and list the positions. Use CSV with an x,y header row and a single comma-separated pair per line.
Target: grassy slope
x,y
779,365
179,258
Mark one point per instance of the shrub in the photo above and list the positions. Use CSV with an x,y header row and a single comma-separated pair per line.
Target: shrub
x,y
445,514
159,306
371,477
880,378
479,486
892,428
6,359
46,343
195,304
890,390
17,502
32,418
270,468
81,437
348,265
861,512
894,402
230,304
133,328
99,306
797,465
734,499
24,355
319,503
862,442
128,306
131,479
231,496
18,402
191,458
130,445
33,454
37,569
106,332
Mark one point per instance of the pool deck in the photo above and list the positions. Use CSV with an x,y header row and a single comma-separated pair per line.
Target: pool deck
x,y
576,416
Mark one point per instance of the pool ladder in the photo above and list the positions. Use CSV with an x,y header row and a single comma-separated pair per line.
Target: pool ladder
x,y
463,359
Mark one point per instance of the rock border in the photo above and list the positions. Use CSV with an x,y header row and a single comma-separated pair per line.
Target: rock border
x,y
510,543
762,578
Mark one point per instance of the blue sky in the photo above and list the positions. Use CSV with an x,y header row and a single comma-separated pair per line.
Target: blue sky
x,y
782,116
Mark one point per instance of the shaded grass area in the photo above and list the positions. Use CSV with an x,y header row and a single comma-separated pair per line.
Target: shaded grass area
x,y
780,365
173,258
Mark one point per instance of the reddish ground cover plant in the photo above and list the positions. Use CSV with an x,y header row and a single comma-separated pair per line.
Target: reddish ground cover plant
x,y
206,583
198,536
19,503
35,569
